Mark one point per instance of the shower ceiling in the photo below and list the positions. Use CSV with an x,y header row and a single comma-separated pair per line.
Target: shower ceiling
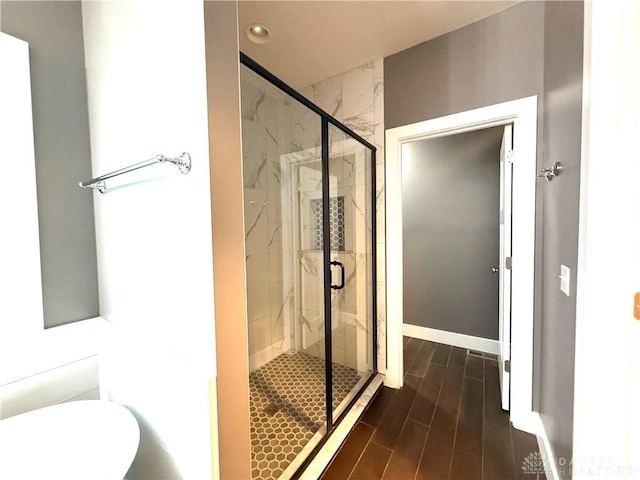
x,y
315,40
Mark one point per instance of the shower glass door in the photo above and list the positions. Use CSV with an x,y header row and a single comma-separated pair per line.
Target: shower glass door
x,y
310,269
350,237
282,170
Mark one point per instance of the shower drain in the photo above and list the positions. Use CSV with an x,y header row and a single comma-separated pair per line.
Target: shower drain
x,y
272,409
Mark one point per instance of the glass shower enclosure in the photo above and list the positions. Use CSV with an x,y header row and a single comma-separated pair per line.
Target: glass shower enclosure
x,y
309,211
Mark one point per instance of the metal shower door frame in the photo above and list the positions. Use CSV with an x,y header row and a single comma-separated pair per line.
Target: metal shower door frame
x,y
327,120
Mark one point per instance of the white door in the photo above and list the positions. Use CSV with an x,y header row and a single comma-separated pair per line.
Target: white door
x,y
504,357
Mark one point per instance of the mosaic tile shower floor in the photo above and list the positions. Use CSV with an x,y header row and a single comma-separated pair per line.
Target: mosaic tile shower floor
x,y
287,401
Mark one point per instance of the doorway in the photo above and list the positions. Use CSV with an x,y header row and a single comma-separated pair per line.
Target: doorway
x,y
456,208
522,114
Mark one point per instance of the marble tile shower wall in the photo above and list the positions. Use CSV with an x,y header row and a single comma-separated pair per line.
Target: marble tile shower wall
x,y
276,130
356,98
269,276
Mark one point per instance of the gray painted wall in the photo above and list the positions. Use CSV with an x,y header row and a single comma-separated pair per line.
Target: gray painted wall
x,y
533,48
450,220
63,156
491,61
563,32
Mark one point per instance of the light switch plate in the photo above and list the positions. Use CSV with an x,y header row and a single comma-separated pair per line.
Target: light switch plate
x,y
565,279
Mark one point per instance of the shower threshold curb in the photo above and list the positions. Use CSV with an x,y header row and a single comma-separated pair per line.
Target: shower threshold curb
x,y
325,455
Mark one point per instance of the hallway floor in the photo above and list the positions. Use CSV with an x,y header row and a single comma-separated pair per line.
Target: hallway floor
x,y
445,423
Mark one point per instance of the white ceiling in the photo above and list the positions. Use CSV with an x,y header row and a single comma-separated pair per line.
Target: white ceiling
x,y
315,40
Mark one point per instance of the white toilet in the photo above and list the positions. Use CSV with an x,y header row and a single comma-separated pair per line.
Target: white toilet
x,y
80,440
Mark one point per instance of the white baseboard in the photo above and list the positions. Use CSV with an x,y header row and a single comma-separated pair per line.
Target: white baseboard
x,y
450,338
545,449
526,421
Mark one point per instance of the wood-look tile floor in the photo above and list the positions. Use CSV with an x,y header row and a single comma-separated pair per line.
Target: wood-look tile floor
x,y
445,423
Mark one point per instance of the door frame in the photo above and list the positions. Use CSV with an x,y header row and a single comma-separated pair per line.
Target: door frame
x,y
522,113
504,281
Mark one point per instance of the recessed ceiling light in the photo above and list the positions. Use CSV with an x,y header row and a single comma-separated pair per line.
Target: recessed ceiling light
x,y
257,33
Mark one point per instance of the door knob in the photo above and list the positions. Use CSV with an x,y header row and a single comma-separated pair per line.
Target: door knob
x,y
495,269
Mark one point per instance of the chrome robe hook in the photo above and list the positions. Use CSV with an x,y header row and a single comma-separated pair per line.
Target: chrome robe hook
x,y
550,173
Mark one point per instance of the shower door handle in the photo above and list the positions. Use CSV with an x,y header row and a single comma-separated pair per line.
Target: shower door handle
x,y
338,264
